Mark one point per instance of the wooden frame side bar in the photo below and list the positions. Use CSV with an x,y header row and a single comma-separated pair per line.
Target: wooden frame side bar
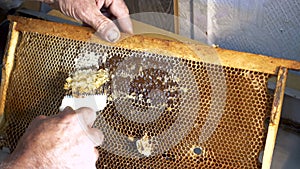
x,y
8,64
275,118
176,16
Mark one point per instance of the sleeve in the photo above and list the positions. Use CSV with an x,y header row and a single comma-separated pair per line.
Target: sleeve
x,y
6,5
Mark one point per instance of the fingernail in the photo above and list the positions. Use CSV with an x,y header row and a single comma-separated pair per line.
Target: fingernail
x,y
112,35
100,138
130,30
96,136
68,109
86,115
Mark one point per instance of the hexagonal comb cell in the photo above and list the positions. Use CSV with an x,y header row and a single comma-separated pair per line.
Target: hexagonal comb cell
x,y
165,105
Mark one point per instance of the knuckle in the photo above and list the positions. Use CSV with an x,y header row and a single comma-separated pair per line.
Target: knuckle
x,y
66,116
101,24
41,117
108,2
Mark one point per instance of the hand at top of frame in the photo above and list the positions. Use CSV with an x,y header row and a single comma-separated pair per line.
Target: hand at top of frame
x,y
88,11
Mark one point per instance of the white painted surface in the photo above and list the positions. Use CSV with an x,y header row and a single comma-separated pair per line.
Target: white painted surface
x,y
287,151
269,27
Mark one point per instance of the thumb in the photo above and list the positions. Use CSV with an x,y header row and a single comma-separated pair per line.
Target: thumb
x,y
96,136
105,28
86,115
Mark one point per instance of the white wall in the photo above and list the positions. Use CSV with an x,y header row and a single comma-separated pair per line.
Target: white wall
x,y
269,27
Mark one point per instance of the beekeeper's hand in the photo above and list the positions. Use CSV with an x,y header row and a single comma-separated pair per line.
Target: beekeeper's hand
x,y
65,140
88,11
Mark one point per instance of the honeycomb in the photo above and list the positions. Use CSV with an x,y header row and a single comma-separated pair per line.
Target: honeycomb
x,y
162,111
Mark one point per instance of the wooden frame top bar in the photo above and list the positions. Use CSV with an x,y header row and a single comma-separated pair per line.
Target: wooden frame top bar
x,y
179,47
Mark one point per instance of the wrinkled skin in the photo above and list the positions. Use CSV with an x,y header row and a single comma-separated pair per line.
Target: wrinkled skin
x,y
88,11
60,141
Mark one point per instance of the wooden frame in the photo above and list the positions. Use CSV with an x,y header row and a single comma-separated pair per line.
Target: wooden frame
x,y
8,64
191,48
176,15
275,117
269,65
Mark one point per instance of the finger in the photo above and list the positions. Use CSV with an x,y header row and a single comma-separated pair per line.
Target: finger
x,y
119,9
96,153
96,136
86,115
99,3
67,110
41,117
66,113
104,27
36,121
